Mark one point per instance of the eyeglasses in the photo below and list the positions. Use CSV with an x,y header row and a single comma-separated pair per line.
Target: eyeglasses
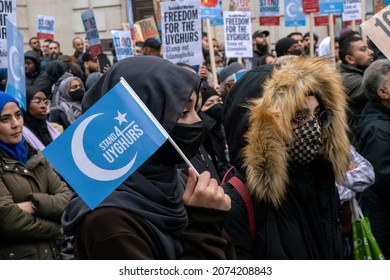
x,y
324,119
46,102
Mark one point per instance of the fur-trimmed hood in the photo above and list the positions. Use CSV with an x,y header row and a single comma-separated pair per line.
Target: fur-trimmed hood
x,y
265,158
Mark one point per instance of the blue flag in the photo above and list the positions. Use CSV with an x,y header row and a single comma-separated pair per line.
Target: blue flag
x,y
16,84
106,144
294,15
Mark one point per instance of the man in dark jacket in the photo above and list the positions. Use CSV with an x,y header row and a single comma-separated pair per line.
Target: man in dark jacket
x,y
260,46
372,129
355,57
34,76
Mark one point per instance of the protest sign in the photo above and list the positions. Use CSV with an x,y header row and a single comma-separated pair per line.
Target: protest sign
x,y
148,28
210,9
269,12
377,28
181,32
352,10
240,5
331,6
45,28
92,34
122,44
106,144
238,30
310,6
7,11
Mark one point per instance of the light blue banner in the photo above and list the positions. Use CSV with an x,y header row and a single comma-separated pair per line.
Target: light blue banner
x,y
16,84
130,13
294,15
331,6
106,144
211,13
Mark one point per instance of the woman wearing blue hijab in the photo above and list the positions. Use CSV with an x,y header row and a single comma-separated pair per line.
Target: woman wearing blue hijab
x,y
32,196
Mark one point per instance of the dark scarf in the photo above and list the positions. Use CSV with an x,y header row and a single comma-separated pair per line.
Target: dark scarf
x,y
305,190
236,112
153,191
155,196
39,128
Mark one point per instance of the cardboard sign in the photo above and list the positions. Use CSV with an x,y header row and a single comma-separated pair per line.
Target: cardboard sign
x,y
377,28
240,5
148,28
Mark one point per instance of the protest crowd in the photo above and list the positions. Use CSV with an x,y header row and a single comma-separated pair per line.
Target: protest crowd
x,y
285,142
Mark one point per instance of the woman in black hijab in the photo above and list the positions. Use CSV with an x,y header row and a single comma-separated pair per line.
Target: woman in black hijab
x,y
37,130
151,215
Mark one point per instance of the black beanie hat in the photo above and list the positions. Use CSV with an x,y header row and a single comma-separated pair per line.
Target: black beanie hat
x,y
283,45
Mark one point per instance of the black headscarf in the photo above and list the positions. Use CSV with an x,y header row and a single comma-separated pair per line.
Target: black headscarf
x,y
235,111
153,191
37,126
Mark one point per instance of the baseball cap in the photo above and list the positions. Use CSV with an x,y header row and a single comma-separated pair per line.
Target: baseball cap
x,y
259,32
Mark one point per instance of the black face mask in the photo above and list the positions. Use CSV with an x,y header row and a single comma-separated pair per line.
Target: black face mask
x,y
77,95
215,112
188,137
295,52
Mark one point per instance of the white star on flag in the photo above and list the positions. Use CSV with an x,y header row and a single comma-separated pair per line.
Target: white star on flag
x,y
121,118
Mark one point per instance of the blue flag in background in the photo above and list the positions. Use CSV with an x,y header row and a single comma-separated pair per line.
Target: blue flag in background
x,y
16,83
294,15
106,144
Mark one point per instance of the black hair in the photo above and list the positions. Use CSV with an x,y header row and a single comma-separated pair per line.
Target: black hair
x,y
294,33
346,47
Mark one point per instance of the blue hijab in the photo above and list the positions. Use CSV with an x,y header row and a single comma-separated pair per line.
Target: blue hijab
x,y
17,151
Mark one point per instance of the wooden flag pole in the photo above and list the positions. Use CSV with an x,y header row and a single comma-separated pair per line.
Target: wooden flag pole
x,y
363,3
353,25
211,53
311,34
331,35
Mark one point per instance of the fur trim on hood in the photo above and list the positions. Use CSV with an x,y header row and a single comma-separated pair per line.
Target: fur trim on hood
x,y
270,127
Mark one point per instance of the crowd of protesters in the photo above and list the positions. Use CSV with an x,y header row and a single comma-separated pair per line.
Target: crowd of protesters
x,y
304,130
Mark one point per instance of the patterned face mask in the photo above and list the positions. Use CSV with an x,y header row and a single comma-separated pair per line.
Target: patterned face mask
x,y
307,144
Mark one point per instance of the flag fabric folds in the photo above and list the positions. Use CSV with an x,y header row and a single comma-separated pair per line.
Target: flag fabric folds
x,y
106,144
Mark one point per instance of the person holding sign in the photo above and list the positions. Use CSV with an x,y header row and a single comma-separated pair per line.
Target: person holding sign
x,y
151,215
32,196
